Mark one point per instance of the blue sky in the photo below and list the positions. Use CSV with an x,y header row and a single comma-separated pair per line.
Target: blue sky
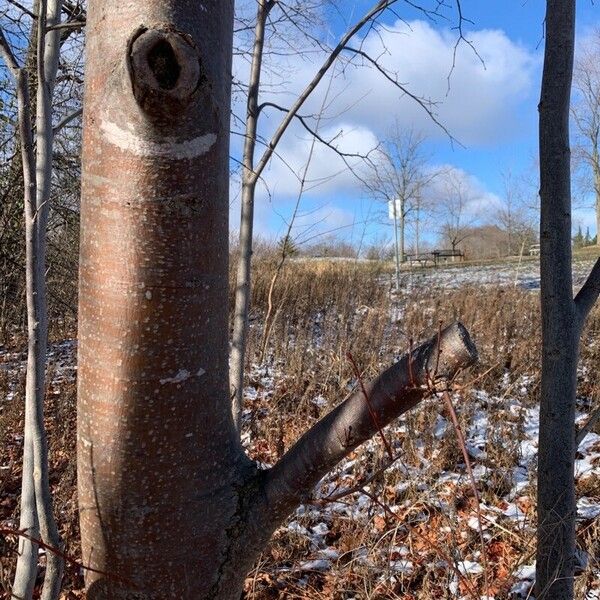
x,y
491,108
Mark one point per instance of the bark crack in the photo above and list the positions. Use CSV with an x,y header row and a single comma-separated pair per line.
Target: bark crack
x,y
247,492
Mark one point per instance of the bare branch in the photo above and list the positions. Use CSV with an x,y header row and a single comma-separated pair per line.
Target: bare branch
x,y
23,8
328,143
461,38
351,423
426,105
7,55
588,294
64,122
78,24
587,427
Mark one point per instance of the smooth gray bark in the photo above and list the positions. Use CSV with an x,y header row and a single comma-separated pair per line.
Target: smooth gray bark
x,y
249,180
36,501
48,52
26,569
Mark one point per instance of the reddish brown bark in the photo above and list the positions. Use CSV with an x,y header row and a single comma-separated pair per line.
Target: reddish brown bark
x,y
155,424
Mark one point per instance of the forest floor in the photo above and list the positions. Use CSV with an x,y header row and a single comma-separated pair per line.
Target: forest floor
x,y
410,531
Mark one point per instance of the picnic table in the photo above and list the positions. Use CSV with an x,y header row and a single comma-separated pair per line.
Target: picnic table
x,y
444,255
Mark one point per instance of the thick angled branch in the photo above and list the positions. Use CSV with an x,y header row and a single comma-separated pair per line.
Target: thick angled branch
x,y
66,120
587,427
588,294
395,391
67,25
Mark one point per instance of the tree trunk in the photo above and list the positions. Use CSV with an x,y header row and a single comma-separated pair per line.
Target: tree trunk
x,y
48,51
26,569
158,458
36,502
170,505
417,223
243,286
396,245
560,322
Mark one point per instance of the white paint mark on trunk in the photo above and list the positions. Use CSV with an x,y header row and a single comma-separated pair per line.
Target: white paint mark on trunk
x,y
181,375
170,148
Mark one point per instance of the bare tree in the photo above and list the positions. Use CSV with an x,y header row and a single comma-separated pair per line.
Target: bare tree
x,y
455,207
562,316
251,173
19,24
514,217
400,174
586,115
170,505
36,501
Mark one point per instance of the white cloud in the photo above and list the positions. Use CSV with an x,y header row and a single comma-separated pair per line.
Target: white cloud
x,y
480,107
477,204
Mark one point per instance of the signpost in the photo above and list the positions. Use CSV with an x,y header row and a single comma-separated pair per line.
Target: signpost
x,y
394,213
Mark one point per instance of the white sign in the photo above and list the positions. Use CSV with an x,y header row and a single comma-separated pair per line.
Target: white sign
x,y
391,208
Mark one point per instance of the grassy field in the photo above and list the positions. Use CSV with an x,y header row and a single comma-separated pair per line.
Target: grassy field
x,y
410,531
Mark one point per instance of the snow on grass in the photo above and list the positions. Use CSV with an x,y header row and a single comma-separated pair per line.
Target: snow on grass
x,y
525,276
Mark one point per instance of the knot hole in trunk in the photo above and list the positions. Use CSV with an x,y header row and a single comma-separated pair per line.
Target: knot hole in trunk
x,y
163,63
165,70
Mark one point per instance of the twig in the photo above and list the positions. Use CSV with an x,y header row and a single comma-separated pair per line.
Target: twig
x,y
355,488
63,555
476,379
